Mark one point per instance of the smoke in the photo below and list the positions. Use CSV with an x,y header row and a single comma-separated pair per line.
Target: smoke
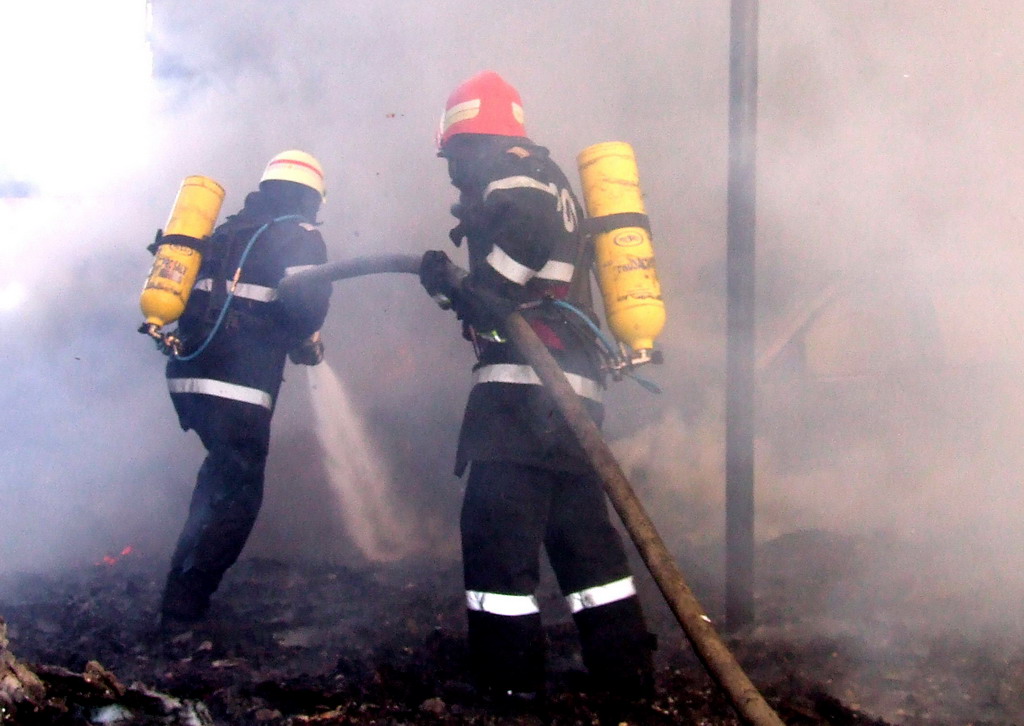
x,y
894,408
889,228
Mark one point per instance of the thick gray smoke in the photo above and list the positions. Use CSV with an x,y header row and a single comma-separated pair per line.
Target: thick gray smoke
x,y
890,222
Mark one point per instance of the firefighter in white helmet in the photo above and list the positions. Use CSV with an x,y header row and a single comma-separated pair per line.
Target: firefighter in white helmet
x,y
530,484
236,334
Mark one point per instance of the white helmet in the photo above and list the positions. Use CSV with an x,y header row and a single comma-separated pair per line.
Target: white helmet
x,y
296,166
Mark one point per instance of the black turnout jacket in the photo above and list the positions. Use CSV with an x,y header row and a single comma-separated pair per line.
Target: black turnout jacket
x,y
244,361
522,225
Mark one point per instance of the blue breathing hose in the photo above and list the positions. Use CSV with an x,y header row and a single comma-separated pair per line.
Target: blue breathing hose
x,y
231,290
609,346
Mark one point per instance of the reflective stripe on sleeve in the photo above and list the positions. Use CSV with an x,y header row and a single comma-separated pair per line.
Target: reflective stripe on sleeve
x,y
509,268
520,182
259,293
221,389
298,268
558,271
600,595
524,374
498,604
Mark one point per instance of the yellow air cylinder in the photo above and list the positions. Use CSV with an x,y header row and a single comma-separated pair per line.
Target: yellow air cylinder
x,y
622,243
177,259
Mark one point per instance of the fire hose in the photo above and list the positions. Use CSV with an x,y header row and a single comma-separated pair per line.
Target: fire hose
x,y
716,658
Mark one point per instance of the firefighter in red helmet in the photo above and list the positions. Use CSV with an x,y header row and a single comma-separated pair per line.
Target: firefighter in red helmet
x,y
236,332
530,484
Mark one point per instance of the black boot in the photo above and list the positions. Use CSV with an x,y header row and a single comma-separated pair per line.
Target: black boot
x,y
619,655
523,706
185,600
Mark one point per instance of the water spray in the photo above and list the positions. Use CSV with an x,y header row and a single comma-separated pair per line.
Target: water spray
x,y
355,470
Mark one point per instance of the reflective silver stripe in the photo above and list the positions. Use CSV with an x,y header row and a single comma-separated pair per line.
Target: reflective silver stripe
x,y
221,389
498,604
555,270
460,112
259,293
509,268
600,595
298,268
522,373
521,182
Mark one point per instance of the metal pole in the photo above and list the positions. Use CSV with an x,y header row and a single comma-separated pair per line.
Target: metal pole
x,y
740,347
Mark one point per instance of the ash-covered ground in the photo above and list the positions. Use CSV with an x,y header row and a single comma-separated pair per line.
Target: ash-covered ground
x,y
384,644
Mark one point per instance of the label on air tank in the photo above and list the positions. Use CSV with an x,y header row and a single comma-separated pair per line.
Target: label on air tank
x,y
628,239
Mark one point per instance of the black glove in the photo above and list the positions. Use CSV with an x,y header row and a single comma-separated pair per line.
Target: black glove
x,y
452,288
480,307
440,277
309,352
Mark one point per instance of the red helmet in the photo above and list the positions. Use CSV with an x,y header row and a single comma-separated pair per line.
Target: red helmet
x,y
485,104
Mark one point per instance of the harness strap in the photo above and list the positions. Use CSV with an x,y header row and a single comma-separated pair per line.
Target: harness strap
x,y
599,225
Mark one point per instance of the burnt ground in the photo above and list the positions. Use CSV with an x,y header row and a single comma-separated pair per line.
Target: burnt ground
x,y
384,644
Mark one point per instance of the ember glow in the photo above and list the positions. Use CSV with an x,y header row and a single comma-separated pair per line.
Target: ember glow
x,y
109,560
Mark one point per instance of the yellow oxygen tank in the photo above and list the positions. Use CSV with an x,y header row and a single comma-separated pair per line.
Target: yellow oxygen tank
x,y
177,257
622,245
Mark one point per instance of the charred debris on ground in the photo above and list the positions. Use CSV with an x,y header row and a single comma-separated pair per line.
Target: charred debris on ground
x,y
384,644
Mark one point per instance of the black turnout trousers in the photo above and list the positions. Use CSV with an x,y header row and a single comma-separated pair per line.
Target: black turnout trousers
x,y
511,510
